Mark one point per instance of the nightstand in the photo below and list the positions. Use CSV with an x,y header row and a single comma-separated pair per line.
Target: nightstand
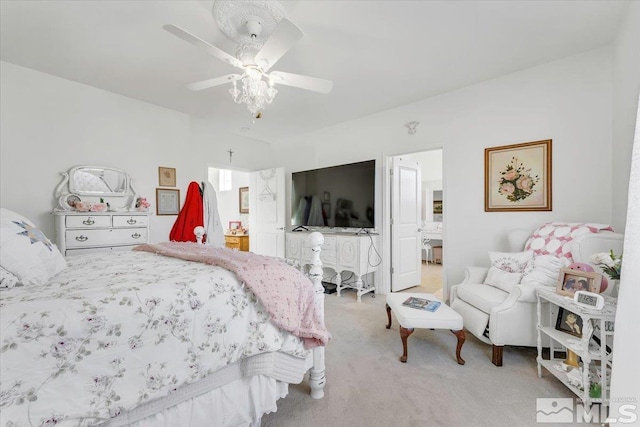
x,y
238,241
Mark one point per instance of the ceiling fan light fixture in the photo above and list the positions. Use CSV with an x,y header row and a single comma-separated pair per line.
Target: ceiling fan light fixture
x,y
255,93
264,34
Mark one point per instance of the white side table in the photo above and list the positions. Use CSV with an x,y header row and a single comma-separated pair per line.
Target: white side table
x,y
597,326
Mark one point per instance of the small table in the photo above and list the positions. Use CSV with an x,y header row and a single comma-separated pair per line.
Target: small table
x,y
410,318
237,241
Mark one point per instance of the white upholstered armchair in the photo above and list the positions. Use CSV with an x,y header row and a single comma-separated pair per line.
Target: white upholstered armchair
x,y
505,314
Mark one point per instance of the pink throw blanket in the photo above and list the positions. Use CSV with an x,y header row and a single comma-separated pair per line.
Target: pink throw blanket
x,y
556,238
285,292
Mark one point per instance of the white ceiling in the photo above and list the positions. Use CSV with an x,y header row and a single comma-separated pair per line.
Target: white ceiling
x,y
379,54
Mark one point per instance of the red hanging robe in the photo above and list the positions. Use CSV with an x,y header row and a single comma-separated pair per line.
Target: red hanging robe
x,y
190,216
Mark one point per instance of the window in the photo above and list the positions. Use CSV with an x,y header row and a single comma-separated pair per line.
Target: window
x,y
225,180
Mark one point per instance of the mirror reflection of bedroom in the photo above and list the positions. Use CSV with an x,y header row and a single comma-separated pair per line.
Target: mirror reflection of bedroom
x,y
432,221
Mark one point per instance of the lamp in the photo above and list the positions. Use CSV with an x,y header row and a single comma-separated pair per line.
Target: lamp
x,y
256,93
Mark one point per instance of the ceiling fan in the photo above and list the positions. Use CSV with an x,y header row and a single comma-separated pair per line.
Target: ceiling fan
x,y
245,22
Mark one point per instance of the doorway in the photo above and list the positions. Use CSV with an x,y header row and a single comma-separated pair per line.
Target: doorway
x,y
431,221
227,183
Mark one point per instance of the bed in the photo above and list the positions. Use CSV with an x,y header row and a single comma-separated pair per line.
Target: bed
x,y
145,339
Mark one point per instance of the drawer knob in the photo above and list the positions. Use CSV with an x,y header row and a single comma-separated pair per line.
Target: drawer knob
x,y
131,221
136,235
88,221
82,238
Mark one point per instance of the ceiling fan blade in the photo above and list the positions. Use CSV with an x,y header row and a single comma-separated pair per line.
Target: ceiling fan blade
x,y
206,84
279,42
198,42
304,82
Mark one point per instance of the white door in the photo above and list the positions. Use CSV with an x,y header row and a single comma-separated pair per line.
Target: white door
x,y
406,220
267,212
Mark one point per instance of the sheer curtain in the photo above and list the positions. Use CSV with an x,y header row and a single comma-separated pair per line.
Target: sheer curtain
x,y
625,381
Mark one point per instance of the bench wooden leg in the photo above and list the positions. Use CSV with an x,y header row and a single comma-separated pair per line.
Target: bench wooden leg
x,y
496,359
404,334
460,335
389,316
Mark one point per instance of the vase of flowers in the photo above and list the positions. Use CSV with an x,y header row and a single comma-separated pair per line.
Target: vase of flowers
x,y
611,265
142,204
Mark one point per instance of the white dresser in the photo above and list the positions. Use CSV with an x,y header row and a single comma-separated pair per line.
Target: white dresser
x,y
359,254
87,232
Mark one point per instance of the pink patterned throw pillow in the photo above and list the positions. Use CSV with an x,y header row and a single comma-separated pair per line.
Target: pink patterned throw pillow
x,y
555,238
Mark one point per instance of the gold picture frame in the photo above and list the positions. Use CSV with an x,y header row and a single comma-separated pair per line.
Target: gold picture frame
x,y
167,201
570,281
243,199
166,177
518,177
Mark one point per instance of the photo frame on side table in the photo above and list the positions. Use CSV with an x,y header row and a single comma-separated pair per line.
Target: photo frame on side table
x,y
167,201
569,322
243,197
166,177
571,281
518,177
235,226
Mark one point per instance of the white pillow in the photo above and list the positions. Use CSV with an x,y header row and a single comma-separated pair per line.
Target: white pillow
x,y
7,279
543,270
502,279
510,262
26,252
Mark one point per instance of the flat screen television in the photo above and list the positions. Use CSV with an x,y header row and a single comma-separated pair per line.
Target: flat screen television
x,y
339,196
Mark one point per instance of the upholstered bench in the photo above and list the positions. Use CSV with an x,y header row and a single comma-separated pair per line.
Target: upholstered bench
x,y
410,318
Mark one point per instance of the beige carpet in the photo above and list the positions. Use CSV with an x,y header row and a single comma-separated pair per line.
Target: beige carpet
x,y
368,386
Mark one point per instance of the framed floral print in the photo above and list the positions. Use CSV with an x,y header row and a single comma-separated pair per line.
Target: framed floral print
x,y
518,177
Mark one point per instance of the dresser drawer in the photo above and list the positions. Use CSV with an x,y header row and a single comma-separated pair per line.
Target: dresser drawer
x,y
232,240
89,238
329,243
130,220
328,257
237,242
88,221
85,251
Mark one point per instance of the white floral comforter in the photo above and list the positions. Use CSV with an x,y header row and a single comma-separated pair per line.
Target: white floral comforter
x,y
115,330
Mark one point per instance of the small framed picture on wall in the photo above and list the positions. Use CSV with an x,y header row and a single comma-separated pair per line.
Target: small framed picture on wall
x,y
167,201
243,196
166,177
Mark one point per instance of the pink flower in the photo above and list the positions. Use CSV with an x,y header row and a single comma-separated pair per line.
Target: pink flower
x,y
141,202
525,183
507,188
510,175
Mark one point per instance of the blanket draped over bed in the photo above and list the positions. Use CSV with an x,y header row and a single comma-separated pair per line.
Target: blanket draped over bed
x,y
117,330
285,292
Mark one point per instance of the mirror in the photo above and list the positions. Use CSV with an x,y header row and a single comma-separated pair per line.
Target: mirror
x,y
98,181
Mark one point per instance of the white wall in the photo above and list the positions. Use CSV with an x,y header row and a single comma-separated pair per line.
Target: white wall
x,y
50,125
214,145
568,101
